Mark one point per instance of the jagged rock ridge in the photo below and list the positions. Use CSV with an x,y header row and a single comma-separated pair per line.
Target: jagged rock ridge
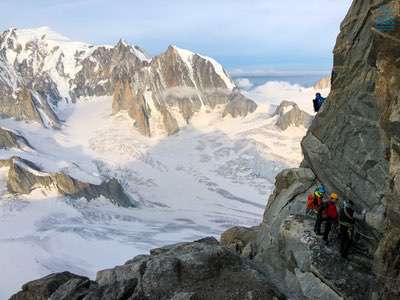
x,y
289,114
199,270
176,85
323,84
20,101
24,176
11,139
167,89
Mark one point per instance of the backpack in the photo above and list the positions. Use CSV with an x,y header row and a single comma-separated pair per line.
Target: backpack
x,y
313,202
330,211
316,105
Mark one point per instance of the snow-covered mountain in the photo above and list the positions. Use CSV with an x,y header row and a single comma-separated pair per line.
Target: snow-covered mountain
x,y
289,114
161,93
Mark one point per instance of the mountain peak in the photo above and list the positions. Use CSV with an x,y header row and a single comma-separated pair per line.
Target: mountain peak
x,y
43,32
122,43
289,114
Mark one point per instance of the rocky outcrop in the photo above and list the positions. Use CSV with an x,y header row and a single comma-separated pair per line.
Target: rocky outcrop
x,y
20,102
323,84
241,240
199,270
176,85
289,114
239,105
306,267
11,139
384,56
45,287
104,66
24,176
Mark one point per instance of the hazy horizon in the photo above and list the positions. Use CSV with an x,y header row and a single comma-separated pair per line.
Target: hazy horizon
x,y
240,36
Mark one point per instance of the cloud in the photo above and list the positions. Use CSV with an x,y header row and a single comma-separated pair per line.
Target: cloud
x,y
244,83
237,33
182,92
264,72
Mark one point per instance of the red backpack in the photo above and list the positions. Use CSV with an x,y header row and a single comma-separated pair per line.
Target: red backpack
x,y
330,211
313,202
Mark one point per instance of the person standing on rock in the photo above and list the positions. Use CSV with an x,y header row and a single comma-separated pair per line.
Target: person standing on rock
x,y
314,201
318,101
327,213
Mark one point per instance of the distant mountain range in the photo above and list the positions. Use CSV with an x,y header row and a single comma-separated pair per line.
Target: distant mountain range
x,y
39,69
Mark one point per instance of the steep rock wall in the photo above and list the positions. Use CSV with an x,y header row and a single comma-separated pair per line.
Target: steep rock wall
x,y
352,147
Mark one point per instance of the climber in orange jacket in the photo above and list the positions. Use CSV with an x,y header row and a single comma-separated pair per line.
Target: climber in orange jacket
x,y
327,213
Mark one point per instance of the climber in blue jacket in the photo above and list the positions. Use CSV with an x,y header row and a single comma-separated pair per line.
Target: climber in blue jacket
x,y
318,101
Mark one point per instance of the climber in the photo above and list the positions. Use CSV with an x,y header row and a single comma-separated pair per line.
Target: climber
x,y
327,213
318,101
314,201
346,227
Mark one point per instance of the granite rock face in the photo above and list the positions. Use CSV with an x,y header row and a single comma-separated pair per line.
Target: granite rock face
x,y
346,145
17,100
352,149
199,270
24,176
239,105
104,66
307,268
323,84
11,139
173,87
241,240
45,287
385,56
289,114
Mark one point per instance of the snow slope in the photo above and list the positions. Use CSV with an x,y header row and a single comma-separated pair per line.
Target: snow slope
x,y
187,57
214,174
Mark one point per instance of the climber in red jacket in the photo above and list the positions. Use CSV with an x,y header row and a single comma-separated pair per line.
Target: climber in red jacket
x,y
328,214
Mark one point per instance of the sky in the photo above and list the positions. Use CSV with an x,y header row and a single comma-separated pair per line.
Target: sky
x,y
249,37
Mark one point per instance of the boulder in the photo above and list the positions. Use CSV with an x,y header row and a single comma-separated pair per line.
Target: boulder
x,y
44,288
241,240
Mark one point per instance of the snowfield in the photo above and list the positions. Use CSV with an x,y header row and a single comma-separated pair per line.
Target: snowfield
x,y
212,175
